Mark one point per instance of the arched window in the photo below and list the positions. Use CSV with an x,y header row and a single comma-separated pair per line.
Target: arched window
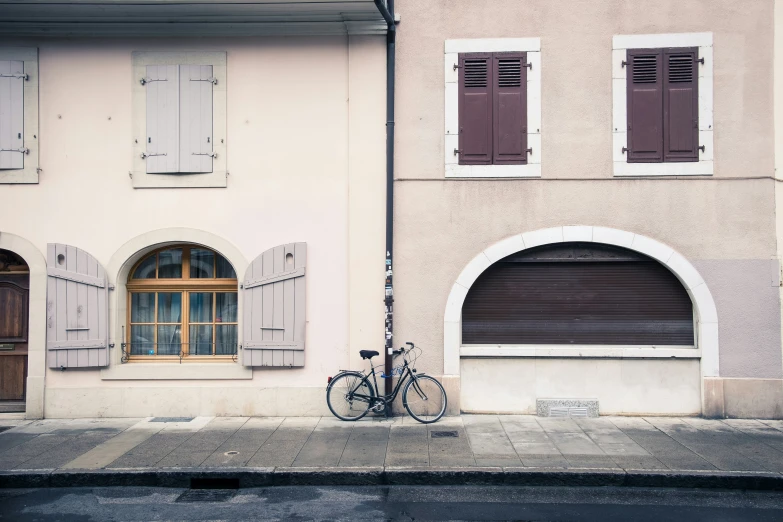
x,y
578,294
182,303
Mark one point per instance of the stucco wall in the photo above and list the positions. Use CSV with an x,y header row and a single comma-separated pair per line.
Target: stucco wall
x,y
724,224
305,142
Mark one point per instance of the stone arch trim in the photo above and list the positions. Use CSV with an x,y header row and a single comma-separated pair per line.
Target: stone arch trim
x,y
36,341
129,253
706,315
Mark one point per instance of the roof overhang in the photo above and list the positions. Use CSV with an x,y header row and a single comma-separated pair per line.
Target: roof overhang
x,y
124,18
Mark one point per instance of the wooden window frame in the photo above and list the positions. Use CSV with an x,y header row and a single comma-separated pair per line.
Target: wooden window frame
x,y
185,286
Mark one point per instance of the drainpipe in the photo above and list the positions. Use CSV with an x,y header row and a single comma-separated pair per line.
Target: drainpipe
x,y
386,8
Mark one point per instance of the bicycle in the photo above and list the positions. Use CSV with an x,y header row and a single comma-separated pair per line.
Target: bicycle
x,y
352,394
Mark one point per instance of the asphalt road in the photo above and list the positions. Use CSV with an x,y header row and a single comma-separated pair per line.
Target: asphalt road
x,y
403,503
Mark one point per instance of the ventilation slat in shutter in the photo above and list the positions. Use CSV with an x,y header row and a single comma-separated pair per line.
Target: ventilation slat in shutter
x,y
680,68
475,73
509,72
645,68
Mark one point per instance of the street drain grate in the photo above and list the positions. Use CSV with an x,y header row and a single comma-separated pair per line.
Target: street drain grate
x,y
206,495
5,428
443,434
172,419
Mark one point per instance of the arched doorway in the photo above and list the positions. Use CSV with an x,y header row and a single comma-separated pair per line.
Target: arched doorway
x,y
14,328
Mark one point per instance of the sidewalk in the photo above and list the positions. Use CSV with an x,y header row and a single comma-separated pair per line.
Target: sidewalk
x,y
324,450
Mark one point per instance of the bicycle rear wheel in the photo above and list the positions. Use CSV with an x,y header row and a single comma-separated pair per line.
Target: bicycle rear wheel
x,y
341,396
425,399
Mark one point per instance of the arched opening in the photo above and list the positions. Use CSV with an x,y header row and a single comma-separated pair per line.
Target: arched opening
x,y
182,304
14,328
578,293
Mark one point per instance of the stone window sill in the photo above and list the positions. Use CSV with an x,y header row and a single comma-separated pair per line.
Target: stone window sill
x,y
174,371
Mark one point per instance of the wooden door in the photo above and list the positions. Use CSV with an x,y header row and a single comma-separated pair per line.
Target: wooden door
x,y
14,295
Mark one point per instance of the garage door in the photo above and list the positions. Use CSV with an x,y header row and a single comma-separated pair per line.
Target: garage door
x,y
578,293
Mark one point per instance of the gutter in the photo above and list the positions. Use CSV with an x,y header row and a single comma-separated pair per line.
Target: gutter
x,y
386,8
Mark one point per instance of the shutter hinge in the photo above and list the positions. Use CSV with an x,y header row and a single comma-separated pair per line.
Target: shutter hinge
x,y
144,155
145,81
703,148
23,150
623,63
456,66
111,287
530,151
211,80
528,65
625,149
457,151
210,154
700,60
22,76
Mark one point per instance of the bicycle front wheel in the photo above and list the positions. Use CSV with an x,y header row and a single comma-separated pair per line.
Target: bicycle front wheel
x,y
349,396
425,399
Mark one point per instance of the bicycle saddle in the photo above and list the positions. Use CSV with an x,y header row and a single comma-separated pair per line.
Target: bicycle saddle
x,y
368,354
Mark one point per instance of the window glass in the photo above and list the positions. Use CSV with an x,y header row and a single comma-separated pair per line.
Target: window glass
x,y
226,307
201,339
170,264
223,269
201,307
225,339
202,263
143,307
169,339
142,341
169,307
146,270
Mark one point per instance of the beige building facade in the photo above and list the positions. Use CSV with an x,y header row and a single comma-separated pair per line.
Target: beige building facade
x,y
710,221
292,190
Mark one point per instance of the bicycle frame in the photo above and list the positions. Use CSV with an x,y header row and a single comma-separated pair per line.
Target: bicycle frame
x,y
407,373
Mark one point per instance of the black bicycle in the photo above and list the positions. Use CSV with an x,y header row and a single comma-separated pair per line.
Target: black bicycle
x,y
350,394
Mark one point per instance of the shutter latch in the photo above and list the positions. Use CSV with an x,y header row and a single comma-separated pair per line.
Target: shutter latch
x,y
530,151
22,150
23,76
211,80
145,155
700,60
457,151
703,148
528,65
210,154
625,149
145,81
456,66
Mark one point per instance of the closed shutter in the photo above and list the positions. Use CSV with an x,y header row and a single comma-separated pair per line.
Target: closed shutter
x,y
11,114
195,135
77,309
645,105
509,108
475,108
587,296
274,307
162,84
681,105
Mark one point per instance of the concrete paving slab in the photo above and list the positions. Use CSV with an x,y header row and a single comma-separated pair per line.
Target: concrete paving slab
x,y
196,449
638,462
544,461
112,449
364,453
557,425
536,448
624,449
277,453
590,461
490,444
153,450
41,444
407,459
370,433
67,451
498,462
323,450
11,439
240,447
575,444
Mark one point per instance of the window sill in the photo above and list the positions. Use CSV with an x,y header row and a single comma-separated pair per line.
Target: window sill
x,y
701,168
173,371
531,170
20,176
581,351
215,179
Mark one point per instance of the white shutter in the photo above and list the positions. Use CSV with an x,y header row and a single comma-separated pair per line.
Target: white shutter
x,y
274,308
12,150
162,84
77,334
195,94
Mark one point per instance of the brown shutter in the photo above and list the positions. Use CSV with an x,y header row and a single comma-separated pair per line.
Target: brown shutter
x,y
509,108
475,108
680,105
645,105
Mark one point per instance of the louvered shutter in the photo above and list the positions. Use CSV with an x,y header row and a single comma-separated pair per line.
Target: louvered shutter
x,y
509,108
475,108
162,85
680,105
645,105
77,309
195,135
11,114
274,307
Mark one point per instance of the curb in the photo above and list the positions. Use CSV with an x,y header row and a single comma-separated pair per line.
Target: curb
x,y
266,477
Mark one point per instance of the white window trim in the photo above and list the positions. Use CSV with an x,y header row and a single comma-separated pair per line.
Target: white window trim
x,y
216,178
532,46
620,43
28,174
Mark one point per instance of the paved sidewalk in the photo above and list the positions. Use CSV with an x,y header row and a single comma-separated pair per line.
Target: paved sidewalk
x,y
469,442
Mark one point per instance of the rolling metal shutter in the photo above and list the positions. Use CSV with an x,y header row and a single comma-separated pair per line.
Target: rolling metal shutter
x,y
577,294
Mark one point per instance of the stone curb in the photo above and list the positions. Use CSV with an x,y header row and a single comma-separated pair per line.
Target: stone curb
x,y
409,476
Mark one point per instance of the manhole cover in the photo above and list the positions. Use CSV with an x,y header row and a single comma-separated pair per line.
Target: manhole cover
x,y
228,453
172,419
206,495
443,434
5,428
